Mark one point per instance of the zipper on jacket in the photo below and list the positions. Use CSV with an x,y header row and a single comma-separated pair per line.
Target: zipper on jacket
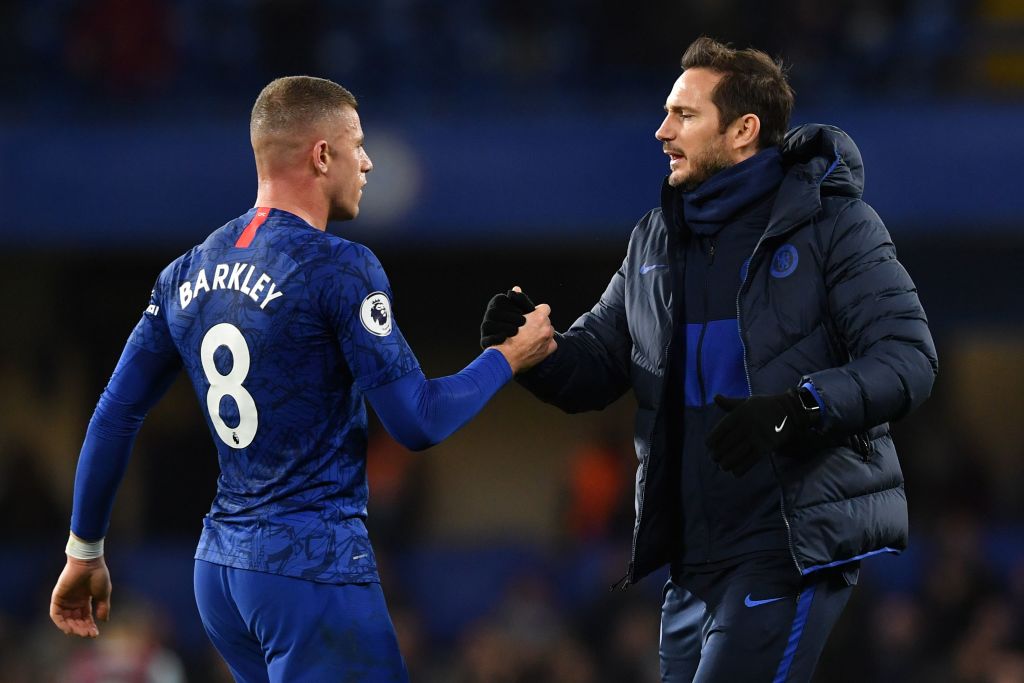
x,y
626,580
700,378
750,388
704,324
789,529
622,583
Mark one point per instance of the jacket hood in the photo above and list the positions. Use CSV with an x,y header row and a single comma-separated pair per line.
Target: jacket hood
x,y
829,155
820,161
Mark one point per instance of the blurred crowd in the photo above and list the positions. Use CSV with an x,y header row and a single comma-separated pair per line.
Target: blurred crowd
x,y
130,55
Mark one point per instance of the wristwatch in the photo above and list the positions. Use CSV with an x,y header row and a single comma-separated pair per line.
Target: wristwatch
x,y
809,403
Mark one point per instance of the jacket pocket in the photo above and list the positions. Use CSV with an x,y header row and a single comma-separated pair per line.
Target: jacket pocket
x,y
864,442
861,442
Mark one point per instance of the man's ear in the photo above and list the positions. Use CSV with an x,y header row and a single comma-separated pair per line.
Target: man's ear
x,y
321,156
744,132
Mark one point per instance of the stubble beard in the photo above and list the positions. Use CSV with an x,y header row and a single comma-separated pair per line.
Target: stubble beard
x,y
702,167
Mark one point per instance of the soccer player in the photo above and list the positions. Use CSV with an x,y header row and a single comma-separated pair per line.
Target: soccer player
x,y
283,329
770,334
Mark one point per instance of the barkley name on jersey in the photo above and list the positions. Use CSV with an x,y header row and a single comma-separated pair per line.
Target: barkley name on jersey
x,y
234,276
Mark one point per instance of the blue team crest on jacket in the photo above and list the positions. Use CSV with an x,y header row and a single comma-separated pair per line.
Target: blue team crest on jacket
x,y
784,261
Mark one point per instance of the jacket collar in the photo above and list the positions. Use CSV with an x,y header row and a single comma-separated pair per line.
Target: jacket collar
x,y
819,160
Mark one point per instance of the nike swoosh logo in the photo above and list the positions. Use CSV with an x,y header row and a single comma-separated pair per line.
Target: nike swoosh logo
x,y
644,269
749,602
778,427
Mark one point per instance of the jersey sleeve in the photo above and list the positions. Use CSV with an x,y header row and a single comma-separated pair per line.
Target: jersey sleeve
x,y
138,382
146,369
357,300
152,332
420,412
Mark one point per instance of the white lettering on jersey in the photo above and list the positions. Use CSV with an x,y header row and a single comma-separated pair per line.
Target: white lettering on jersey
x,y
185,294
272,294
244,289
201,283
260,284
219,275
189,291
236,273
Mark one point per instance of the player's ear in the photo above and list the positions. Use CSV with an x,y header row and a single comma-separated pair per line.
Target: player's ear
x,y
321,156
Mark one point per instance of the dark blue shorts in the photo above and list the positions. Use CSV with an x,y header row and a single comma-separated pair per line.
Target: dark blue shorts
x,y
757,621
272,628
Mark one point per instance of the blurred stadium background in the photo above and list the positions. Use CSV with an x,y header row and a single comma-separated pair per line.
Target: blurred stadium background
x,y
513,144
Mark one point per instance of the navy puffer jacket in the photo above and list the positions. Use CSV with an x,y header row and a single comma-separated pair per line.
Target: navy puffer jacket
x,y
845,316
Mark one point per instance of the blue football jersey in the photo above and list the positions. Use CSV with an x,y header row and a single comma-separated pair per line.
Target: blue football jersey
x,y
281,328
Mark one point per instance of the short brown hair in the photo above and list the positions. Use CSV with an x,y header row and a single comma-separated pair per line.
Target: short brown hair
x,y
752,83
293,100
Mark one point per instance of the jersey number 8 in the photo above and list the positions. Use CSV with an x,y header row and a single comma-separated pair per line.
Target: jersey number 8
x,y
227,335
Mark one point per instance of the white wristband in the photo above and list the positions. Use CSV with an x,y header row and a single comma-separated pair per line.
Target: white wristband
x,y
83,550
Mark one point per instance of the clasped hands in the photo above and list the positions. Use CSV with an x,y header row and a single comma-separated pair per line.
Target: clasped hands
x,y
753,426
521,331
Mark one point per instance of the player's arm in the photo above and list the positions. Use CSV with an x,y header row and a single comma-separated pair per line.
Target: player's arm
x,y
590,367
146,369
416,411
877,313
420,412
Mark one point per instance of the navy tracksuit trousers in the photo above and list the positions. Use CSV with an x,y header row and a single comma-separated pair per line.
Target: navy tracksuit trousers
x,y
758,621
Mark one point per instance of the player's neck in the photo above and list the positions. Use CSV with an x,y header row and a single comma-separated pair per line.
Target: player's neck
x,y
306,206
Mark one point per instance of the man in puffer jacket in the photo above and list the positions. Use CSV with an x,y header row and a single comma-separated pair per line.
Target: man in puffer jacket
x,y
769,335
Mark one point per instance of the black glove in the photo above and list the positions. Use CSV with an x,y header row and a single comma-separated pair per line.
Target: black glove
x,y
755,427
504,316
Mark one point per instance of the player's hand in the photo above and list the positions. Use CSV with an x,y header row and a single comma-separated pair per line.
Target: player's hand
x,y
753,428
505,314
533,342
83,586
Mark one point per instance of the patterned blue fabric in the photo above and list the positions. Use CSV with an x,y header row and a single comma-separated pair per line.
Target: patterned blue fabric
x,y
311,313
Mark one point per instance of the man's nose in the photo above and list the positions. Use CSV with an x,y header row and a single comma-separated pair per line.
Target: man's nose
x,y
664,132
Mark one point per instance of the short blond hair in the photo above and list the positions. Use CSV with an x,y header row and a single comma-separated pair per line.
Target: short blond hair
x,y
293,101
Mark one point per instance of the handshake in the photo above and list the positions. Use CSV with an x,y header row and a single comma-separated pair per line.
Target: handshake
x,y
521,331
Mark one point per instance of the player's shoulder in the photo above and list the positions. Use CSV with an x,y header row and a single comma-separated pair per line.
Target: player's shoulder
x,y
342,248
180,266
173,271
341,270
324,250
